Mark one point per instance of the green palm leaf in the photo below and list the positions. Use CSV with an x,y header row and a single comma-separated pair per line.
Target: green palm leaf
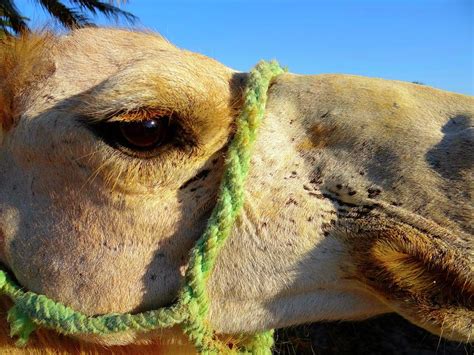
x,y
12,16
73,15
108,9
68,17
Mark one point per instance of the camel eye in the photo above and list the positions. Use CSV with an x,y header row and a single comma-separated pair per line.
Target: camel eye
x,y
143,135
138,138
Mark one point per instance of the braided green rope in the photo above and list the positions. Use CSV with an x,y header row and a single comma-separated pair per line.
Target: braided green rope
x,y
191,310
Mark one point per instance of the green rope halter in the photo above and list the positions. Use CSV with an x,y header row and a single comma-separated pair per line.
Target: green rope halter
x,y
190,311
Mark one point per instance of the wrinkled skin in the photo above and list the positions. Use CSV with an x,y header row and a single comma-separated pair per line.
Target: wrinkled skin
x,y
358,201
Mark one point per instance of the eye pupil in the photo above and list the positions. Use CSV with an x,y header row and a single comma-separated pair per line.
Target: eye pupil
x,y
144,134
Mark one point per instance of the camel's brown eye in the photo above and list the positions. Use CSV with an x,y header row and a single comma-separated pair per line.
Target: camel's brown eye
x,y
145,134
139,138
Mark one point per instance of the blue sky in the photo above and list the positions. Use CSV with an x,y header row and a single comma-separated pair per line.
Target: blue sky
x,y
430,41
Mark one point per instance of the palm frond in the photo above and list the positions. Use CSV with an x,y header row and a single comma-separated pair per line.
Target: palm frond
x,y
73,15
108,9
68,17
4,27
13,17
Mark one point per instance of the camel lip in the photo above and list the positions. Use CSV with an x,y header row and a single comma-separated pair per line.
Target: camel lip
x,y
137,310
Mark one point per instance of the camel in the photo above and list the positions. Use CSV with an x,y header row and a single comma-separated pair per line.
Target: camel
x,y
358,200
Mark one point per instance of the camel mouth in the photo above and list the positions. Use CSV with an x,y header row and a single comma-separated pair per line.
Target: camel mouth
x,y
139,309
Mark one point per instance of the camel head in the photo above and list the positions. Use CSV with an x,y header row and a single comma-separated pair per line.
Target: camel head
x,y
112,144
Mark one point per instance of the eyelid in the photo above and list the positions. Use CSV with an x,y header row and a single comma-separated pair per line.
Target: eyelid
x,y
140,114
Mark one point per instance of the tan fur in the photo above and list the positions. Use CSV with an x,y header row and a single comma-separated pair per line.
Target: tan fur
x,y
359,199
23,62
